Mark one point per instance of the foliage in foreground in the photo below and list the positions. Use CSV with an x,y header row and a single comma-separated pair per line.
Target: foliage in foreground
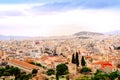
x,y
99,75
62,69
85,70
15,71
50,72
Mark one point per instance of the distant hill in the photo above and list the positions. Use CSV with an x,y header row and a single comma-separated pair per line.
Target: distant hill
x,y
80,35
87,33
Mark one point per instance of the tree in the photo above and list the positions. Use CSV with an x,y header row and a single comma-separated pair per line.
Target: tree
x,y
34,71
77,59
16,71
83,78
38,64
119,77
7,67
23,76
114,75
85,70
98,72
50,72
83,61
6,74
0,73
73,59
57,76
67,77
2,70
62,69
118,65
118,48
99,75
32,63
12,70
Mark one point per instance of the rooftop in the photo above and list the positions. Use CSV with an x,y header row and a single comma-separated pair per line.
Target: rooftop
x,y
23,64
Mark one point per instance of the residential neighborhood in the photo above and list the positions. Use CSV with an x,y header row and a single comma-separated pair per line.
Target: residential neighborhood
x,y
99,52
59,39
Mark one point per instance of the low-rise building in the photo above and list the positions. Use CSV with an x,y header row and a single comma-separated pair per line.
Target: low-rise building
x,y
24,66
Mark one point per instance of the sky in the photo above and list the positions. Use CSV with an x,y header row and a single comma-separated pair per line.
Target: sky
x,y
58,17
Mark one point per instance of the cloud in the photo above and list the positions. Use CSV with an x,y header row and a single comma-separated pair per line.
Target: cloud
x,y
18,1
54,6
68,5
59,17
62,23
73,4
16,9
11,13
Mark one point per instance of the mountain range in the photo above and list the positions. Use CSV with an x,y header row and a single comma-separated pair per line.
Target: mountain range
x,y
87,33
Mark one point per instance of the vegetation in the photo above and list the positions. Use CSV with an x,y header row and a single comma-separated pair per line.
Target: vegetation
x,y
73,59
57,77
6,73
34,71
50,72
99,75
7,67
62,69
118,65
37,64
67,77
32,63
83,63
14,71
23,76
118,48
84,78
114,75
77,59
85,70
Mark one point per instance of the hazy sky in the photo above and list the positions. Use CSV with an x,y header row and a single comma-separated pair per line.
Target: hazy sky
x,y
58,17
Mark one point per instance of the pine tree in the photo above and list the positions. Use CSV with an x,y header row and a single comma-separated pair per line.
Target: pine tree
x,y
77,59
83,61
73,59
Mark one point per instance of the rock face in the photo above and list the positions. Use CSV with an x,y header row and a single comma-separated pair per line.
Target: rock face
x,y
87,33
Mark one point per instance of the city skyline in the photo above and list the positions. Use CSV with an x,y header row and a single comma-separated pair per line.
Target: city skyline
x,y
54,18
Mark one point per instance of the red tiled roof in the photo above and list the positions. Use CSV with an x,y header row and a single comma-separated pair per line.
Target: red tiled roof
x,y
23,64
87,56
103,64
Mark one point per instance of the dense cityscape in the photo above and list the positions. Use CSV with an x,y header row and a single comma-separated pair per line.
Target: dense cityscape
x,y
59,39
84,55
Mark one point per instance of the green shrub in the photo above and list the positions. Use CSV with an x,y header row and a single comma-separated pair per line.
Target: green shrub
x,y
50,72
85,70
